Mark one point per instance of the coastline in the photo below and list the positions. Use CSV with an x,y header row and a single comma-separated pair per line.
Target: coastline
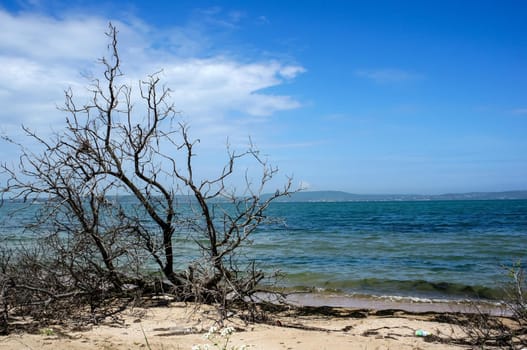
x,y
182,325
406,304
363,285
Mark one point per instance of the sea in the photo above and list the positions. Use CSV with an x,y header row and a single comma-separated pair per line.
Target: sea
x,y
441,250
421,249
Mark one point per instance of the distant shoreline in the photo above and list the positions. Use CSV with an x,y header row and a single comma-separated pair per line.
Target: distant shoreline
x,y
340,196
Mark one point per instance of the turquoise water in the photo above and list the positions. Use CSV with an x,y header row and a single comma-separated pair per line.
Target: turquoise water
x,y
435,249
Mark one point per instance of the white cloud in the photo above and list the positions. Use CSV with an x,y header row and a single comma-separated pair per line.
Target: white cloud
x,y
383,76
304,185
42,56
219,85
290,72
47,39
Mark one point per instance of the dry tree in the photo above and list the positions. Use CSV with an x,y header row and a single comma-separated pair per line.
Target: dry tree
x,y
108,188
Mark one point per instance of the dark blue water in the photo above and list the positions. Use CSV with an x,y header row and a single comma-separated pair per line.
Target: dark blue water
x,y
439,249
448,249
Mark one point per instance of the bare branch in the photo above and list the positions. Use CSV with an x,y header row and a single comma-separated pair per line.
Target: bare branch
x,y
108,213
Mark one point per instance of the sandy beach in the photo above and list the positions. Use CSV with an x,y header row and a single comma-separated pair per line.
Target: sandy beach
x,y
181,326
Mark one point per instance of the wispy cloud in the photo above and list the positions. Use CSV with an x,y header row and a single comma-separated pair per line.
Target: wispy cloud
x,y
262,20
304,185
520,111
307,144
216,16
42,56
385,76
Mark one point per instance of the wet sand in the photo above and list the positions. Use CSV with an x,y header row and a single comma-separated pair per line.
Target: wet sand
x,y
414,305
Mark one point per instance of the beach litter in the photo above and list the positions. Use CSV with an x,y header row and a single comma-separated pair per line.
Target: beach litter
x,y
421,333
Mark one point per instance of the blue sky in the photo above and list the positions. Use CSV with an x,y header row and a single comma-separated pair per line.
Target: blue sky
x,y
365,97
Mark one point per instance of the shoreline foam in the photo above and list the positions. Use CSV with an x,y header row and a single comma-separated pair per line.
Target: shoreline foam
x,y
407,304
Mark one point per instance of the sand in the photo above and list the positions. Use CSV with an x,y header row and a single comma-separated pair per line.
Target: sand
x,y
180,326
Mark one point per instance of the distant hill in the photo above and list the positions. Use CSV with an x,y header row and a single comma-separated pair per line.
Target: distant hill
x,y
339,196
